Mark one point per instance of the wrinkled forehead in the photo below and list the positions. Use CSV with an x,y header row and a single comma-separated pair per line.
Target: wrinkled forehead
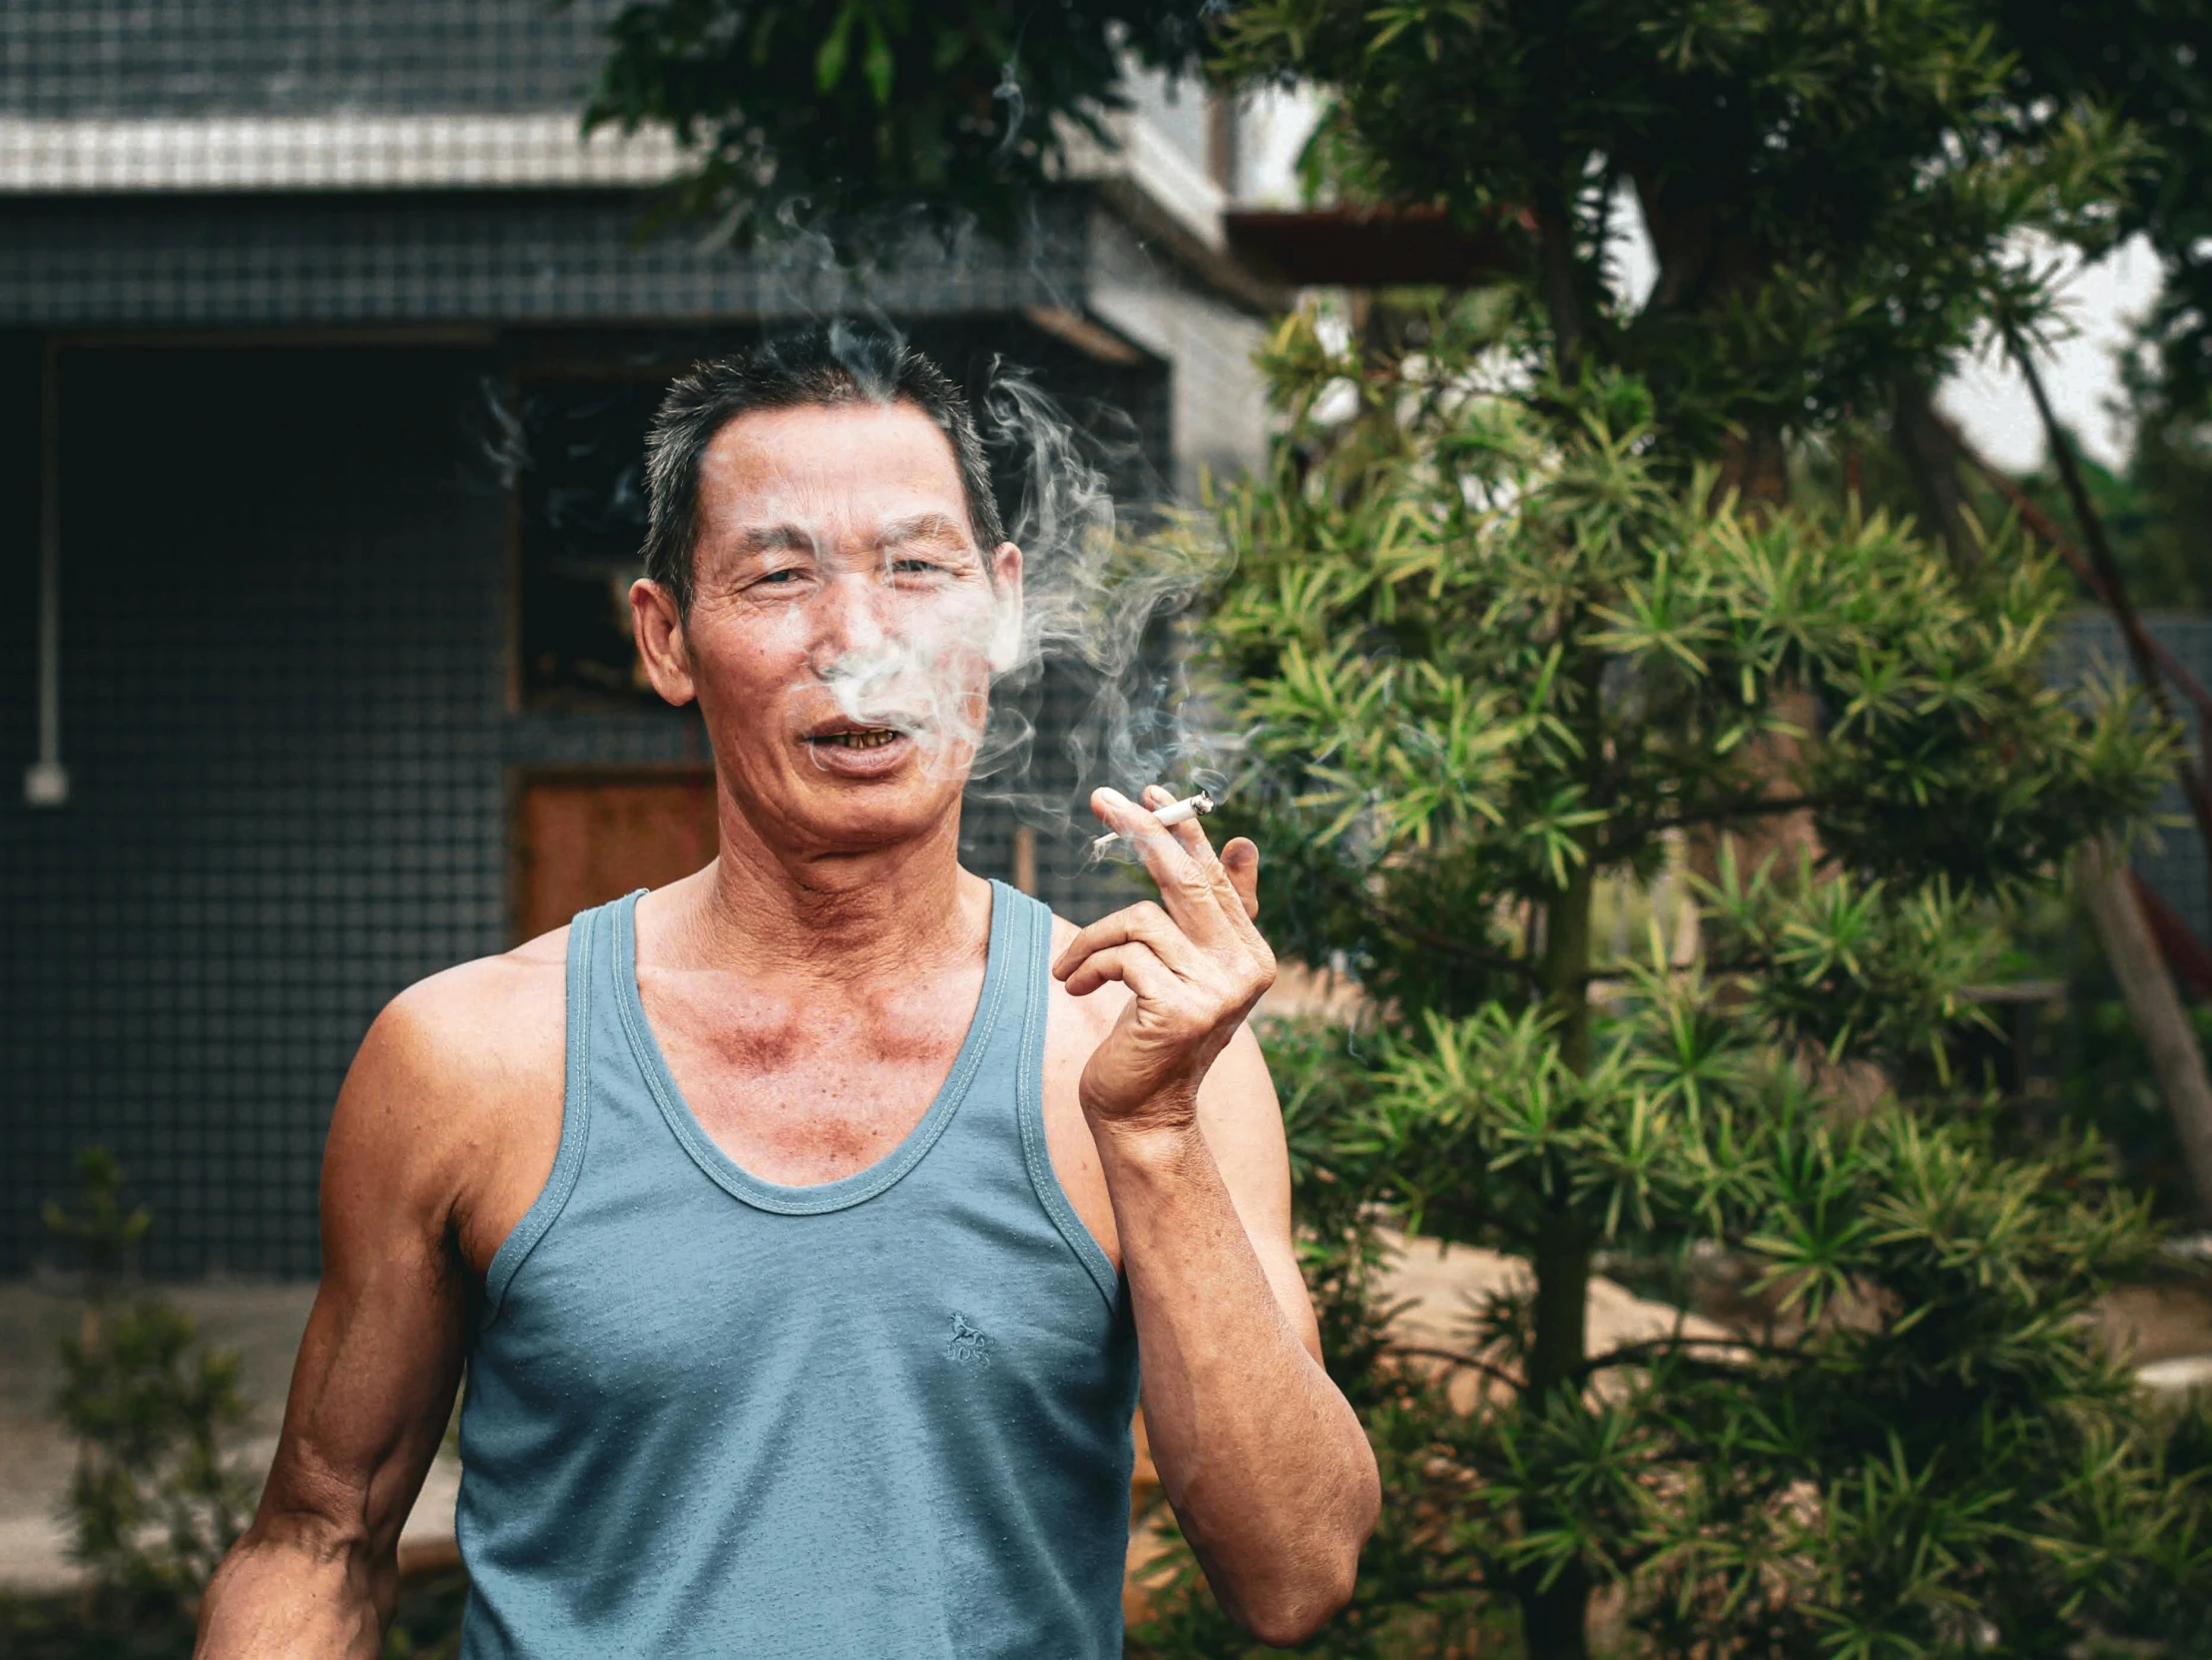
x,y
838,472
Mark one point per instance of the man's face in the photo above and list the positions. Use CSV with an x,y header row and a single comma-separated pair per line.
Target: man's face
x,y
843,627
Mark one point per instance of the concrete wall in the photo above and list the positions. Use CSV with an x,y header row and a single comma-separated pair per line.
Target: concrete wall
x,y
1219,403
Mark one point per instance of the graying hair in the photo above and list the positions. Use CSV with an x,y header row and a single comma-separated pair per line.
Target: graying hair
x,y
826,366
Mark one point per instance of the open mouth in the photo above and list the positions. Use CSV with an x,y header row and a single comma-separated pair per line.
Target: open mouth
x,y
866,738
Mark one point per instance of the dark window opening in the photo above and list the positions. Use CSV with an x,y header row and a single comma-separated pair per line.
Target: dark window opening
x,y
579,525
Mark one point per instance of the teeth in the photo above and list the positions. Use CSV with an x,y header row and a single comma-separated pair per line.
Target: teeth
x,y
874,739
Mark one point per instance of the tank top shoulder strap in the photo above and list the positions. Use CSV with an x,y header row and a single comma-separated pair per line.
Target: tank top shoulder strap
x,y
1028,949
587,1017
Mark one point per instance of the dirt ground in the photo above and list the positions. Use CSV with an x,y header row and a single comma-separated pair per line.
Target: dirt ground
x,y
2166,1322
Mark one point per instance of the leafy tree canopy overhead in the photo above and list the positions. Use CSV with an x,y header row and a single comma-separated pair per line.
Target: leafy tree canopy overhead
x,y
854,111
1829,184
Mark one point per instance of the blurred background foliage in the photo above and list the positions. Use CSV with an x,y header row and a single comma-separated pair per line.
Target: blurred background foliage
x,y
161,1489
859,118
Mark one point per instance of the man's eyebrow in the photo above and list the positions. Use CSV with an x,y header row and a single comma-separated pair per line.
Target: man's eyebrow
x,y
767,538
921,527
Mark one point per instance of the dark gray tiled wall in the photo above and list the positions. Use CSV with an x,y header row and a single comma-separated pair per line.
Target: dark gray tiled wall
x,y
199,262
145,58
280,693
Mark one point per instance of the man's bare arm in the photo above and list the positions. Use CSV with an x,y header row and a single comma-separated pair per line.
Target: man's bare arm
x,y
372,1388
1266,1464
1268,1469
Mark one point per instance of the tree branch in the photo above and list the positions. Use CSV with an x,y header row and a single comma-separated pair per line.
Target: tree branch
x,y
2176,1060
1630,1353
2040,523
1453,1357
1931,450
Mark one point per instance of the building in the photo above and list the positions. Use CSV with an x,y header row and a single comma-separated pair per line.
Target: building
x,y
324,348
325,345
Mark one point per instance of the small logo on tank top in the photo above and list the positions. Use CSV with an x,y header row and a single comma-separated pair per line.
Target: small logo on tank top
x,y
967,1346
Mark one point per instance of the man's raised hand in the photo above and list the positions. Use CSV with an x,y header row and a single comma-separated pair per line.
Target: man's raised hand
x,y
1194,965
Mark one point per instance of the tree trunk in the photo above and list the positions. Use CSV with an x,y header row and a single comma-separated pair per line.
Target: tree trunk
x,y
1755,464
1931,455
1555,279
2157,1010
1555,1618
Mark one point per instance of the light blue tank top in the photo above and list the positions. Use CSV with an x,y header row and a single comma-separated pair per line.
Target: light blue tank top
x,y
887,1416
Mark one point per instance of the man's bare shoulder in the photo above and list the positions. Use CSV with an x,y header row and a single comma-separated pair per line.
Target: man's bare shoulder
x,y
461,1069
481,1019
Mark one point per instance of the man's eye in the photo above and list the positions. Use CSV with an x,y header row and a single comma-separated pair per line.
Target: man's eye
x,y
785,577
915,567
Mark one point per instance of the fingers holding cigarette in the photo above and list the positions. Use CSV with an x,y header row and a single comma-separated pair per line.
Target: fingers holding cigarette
x,y
1240,861
1238,865
1165,811
1234,874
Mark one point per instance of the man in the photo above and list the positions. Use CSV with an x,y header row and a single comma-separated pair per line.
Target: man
x,y
799,1224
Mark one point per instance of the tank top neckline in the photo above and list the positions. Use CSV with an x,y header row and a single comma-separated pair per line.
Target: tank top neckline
x,y
815,1198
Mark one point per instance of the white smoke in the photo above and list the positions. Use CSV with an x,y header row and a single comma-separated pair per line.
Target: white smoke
x,y
1099,615
1093,629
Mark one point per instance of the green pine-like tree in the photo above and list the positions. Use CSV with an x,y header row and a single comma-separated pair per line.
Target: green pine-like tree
x,y
1522,617
1492,662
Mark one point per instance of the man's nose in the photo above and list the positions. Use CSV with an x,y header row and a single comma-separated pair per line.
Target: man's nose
x,y
848,616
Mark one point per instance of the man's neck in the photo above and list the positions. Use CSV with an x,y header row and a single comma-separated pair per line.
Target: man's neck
x,y
834,917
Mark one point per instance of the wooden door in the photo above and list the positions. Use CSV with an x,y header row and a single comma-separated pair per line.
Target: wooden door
x,y
582,838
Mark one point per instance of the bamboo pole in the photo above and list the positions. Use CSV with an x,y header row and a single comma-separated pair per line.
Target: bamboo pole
x,y
2155,1006
2114,592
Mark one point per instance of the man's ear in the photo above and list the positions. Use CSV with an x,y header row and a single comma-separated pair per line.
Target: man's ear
x,y
1006,648
658,627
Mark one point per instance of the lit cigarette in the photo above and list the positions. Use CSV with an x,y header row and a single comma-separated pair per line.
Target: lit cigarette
x,y
1175,812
